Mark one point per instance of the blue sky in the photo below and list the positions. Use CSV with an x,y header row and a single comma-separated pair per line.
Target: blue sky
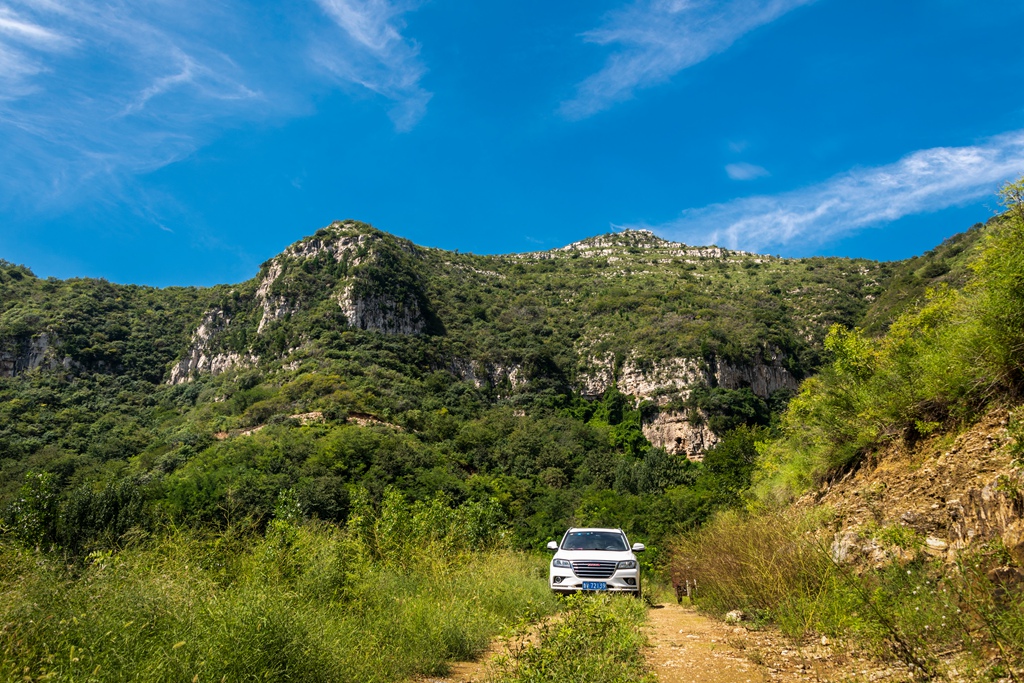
x,y
174,142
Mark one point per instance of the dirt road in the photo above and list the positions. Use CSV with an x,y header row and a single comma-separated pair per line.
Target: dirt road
x,y
687,647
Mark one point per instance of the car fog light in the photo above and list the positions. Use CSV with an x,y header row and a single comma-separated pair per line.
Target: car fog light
x,y
558,579
630,580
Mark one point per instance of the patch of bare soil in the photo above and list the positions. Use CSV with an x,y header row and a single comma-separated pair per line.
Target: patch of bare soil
x,y
688,647
476,671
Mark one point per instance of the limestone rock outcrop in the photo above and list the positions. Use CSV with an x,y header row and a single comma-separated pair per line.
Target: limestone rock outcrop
x,y
652,380
382,313
677,435
200,359
28,354
384,299
656,381
351,248
488,374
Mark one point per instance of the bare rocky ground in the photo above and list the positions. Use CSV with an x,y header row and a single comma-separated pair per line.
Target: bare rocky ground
x,y
688,647
956,490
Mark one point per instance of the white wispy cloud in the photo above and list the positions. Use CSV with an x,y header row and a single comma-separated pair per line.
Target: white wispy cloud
x,y
373,53
657,39
95,92
924,181
102,91
15,27
745,171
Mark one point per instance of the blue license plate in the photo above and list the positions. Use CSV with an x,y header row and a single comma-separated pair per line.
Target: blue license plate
x,y
595,586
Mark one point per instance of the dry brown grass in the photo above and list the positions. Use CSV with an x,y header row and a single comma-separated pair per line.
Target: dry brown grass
x,y
754,563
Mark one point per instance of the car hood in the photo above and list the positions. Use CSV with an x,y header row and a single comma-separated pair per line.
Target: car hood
x,y
607,555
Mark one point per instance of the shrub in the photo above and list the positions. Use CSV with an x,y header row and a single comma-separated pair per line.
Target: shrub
x,y
755,563
940,364
596,640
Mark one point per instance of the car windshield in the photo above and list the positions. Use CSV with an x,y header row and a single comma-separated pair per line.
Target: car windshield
x,y
594,540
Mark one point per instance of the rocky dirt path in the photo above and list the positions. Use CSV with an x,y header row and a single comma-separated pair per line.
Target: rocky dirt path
x,y
467,672
686,647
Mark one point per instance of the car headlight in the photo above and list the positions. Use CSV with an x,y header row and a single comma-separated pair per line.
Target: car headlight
x,y
561,563
627,564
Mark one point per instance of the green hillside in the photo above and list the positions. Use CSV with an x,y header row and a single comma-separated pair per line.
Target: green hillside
x,y
356,361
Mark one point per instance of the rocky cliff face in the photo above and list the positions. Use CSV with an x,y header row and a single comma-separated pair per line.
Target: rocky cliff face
x,y
488,374
28,354
652,380
674,432
341,264
365,306
657,380
382,313
200,359
340,247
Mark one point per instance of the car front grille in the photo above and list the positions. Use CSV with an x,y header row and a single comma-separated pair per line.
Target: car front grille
x,y
593,569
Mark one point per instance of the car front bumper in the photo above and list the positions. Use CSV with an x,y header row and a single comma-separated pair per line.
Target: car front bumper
x,y
622,581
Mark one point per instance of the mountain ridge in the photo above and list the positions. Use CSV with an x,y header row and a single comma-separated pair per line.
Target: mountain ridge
x,y
627,309
546,381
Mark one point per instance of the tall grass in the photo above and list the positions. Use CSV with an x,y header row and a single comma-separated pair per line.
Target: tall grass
x,y
596,640
305,602
934,618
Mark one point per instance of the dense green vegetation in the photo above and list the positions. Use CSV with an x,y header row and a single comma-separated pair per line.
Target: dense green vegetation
x,y
94,444
595,639
910,280
400,591
95,326
938,365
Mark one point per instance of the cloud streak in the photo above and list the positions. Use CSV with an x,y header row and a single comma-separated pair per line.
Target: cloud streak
x,y
375,55
657,39
924,181
99,92
745,171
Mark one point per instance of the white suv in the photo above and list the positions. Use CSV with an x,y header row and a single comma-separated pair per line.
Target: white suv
x,y
595,560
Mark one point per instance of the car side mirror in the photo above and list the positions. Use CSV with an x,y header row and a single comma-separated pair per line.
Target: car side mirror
x,y
639,547
552,546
